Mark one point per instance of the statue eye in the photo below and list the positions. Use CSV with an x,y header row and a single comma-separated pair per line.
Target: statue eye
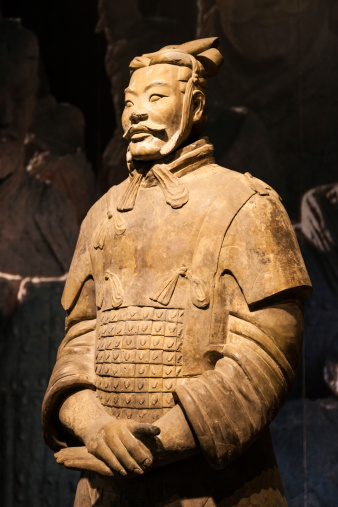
x,y
128,103
155,97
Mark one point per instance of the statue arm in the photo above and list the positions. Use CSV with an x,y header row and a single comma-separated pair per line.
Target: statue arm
x,y
74,368
229,407
260,294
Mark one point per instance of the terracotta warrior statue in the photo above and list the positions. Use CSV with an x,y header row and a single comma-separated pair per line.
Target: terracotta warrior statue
x,y
38,226
184,310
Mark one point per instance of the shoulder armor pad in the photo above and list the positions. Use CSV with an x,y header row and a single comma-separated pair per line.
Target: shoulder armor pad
x,y
260,187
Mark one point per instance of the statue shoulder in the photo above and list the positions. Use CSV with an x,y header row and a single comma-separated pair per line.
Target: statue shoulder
x,y
261,249
243,181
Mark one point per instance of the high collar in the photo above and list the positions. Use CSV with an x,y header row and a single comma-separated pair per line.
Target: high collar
x,y
180,162
166,174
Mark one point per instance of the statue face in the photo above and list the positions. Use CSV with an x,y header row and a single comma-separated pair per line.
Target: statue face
x,y
263,30
153,110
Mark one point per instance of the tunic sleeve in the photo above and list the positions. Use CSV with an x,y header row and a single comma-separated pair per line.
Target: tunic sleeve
x,y
263,298
74,368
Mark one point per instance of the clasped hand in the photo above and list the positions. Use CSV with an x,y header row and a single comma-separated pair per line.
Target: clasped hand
x,y
113,448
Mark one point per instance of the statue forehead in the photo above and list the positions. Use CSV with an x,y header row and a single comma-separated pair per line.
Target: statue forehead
x,y
161,73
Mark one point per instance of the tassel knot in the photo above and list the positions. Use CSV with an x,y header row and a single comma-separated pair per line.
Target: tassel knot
x,y
199,292
119,228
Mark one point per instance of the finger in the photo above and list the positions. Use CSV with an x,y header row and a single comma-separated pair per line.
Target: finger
x,y
122,454
71,453
88,464
141,430
104,452
137,450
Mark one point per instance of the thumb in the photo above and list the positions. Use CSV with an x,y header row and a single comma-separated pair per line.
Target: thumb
x,y
141,429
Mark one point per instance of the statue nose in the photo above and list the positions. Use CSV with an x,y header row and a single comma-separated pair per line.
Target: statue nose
x,y
137,117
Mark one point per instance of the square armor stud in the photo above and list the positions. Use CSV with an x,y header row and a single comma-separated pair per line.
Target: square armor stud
x,y
168,400
169,384
180,331
156,400
119,328
179,344
128,356
145,327
147,313
142,400
115,384
127,400
108,342
169,358
180,316
179,358
115,370
116,342
159,314
155,385
157,328
131,327
178,371
143,342
156,357
141,370
169,371
110,329
113,316
172,315
100,356
129,342
155,370
115,356
156,342
127,370
170,329
134,313
107,356
142,356
141,385
169,344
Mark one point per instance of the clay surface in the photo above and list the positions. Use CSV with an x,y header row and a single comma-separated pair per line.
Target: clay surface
x,y
184,306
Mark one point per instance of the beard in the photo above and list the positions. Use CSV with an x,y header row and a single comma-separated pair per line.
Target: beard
x,y
150,141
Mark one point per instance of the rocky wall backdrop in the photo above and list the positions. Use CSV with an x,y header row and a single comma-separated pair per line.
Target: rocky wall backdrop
x,y
273,111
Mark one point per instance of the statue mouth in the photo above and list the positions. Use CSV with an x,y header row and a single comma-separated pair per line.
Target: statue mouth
x,y
139,132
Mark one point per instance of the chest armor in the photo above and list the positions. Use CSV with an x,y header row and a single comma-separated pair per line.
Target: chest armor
x,y
154,287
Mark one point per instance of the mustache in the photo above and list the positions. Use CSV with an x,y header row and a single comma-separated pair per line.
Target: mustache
x,y
148,127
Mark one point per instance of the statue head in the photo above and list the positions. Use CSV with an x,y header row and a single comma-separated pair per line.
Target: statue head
x,y
165,99
19,54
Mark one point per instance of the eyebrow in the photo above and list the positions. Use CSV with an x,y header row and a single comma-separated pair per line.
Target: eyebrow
x,y
151,85
155,83
128,90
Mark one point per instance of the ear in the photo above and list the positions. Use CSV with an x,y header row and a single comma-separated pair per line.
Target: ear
x,y
198,103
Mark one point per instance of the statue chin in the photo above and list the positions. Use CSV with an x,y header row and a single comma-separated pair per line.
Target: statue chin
x,y
153,148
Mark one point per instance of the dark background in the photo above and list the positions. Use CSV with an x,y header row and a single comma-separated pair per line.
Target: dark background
x,y
73,60
72,54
